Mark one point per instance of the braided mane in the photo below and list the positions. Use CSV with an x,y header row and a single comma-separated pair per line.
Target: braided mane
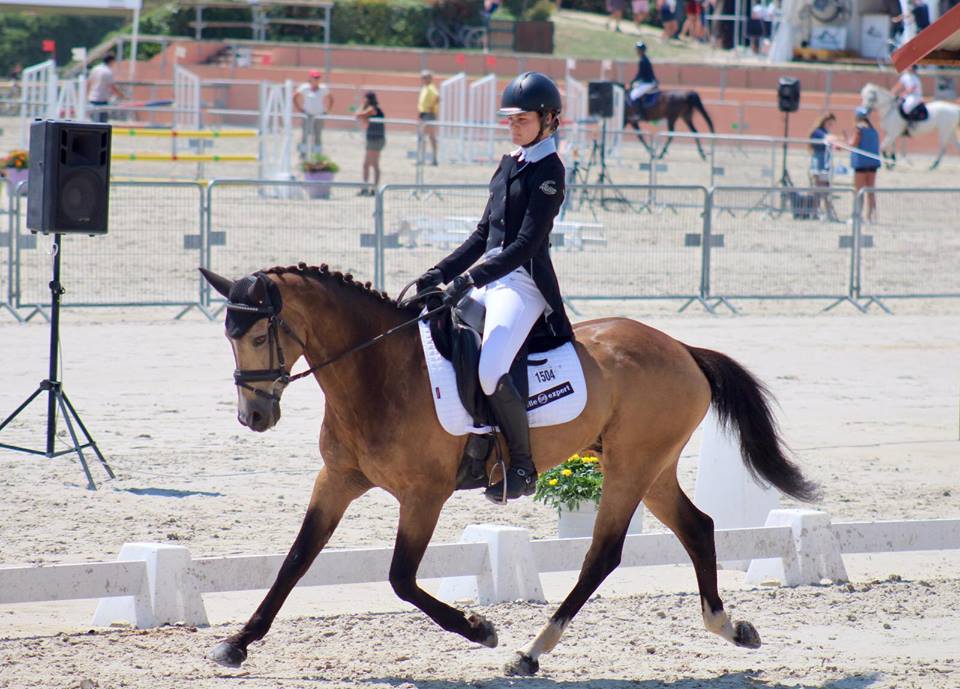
x,y
323,273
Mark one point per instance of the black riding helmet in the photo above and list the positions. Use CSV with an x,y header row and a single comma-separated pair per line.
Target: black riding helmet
x,y
530,92
533,92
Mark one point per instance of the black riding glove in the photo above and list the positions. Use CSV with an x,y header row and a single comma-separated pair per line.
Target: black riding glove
x,y
457,289
431,278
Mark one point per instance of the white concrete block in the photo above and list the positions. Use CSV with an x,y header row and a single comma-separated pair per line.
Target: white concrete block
x,y
512,572
172,594
817,548
725,489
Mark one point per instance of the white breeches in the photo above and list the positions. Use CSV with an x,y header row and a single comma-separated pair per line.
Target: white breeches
x,y
911,101
640,88
514,303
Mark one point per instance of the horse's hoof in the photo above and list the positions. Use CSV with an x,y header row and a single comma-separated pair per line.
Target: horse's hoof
x,y
522,666
746,635
227,654
484,631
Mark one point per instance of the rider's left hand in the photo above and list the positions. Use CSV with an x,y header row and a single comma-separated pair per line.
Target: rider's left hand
x,y
457,289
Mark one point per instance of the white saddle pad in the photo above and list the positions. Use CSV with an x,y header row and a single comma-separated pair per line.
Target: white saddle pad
x,y
558,390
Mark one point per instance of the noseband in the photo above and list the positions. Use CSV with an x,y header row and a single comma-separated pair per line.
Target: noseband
x,y
277,374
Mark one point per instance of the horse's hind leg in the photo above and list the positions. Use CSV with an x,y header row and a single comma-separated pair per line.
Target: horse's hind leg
x,y
668,503
332,493
418,518
688,119
621,496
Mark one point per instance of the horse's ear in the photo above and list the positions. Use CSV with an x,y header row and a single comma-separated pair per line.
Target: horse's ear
x,y
221,284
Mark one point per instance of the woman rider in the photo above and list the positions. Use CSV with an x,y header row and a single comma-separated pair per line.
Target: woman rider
x,y
514,277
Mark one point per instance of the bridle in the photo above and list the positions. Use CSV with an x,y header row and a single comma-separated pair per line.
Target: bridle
x,y
278,374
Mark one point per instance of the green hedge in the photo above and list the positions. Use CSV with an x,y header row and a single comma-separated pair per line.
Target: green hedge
x,y
21,34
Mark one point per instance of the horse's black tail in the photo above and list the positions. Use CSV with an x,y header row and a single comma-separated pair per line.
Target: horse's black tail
x,y
696,104
741,400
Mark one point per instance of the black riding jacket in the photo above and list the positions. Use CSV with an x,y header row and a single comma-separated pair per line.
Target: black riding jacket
x,y
645,71
524,199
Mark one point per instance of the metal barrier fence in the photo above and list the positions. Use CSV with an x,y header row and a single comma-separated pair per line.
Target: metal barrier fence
x,y
610,242
913,247
785,244
253,224
149,257
6,250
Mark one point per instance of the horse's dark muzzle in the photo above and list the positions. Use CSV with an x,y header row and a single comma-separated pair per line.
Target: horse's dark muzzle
x,y
259,417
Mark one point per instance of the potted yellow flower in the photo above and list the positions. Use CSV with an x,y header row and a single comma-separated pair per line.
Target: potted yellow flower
x,y
16,168
320,170
574,489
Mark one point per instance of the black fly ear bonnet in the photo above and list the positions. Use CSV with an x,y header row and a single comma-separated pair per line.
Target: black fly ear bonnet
x,y
251,298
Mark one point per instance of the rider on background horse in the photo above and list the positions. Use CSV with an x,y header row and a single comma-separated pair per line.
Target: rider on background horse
x,y
911,90
645,80
514,278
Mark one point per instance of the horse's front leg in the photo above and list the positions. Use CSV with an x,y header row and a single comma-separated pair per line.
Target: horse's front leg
x,y
418,518
670,123
332,493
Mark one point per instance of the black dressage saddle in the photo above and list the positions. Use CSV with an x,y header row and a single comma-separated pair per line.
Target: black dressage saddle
x,y
457,334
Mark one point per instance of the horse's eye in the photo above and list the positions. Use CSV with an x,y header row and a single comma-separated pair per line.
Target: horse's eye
x,y
259,341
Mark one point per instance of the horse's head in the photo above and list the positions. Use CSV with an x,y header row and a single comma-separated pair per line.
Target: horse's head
x,y
265,347
868,96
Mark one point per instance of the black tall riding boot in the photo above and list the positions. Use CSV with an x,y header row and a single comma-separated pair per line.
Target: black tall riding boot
x,y
510,411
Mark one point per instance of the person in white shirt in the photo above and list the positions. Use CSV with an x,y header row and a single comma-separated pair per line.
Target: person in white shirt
x,y
910,89
313,100
101,87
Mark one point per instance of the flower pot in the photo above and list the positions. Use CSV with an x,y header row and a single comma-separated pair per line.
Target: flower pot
x,y
14,176
579,523
319,187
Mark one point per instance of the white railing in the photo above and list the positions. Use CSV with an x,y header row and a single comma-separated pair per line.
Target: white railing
x,y
482,109
186,99
453,108
157,584
38,96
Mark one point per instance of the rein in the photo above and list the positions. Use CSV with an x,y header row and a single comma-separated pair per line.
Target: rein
x,y
278,374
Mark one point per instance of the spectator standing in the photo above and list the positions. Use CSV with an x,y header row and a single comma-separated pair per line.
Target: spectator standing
x,y
892,8
921,14
428,107
313,100
821,160
641,10
755,26
691,21
865,167
615,9
668,17
102,86
372,116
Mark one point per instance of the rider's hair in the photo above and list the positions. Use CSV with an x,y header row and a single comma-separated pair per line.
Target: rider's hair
x,y
549,122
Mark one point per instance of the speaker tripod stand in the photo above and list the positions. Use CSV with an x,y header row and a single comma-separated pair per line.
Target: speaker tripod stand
x,y
56,397
601,193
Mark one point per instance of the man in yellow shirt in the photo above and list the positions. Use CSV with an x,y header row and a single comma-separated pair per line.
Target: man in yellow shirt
x,y
428,105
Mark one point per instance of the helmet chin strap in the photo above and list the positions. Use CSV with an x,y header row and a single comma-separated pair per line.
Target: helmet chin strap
x,y
539,137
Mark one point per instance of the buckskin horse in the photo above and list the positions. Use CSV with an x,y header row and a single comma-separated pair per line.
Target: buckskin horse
x,y
646,394
672,106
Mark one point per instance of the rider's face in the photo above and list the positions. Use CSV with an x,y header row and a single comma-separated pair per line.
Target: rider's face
x,y
524,128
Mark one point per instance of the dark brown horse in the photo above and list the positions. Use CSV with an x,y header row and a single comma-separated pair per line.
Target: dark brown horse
x,y
646,394
670,106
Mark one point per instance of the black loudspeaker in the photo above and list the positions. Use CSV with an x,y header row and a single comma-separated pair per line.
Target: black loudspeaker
x,y
600,98
69,184
788,94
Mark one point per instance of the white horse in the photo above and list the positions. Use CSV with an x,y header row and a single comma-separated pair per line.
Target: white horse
x,y
944,119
